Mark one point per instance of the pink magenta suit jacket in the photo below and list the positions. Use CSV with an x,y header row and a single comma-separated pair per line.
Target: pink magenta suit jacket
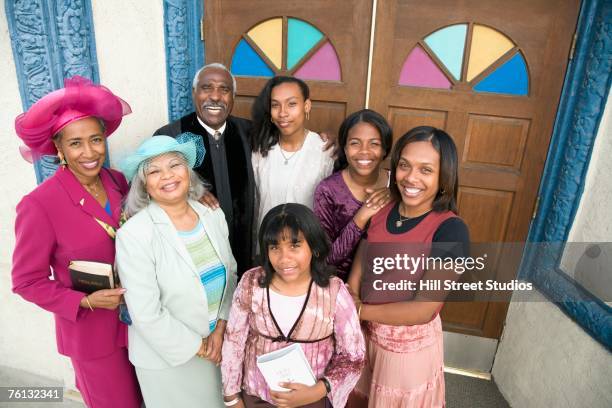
x,y
55,225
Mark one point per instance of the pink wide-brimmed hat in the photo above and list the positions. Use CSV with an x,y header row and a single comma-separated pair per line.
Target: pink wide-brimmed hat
x,y
80,98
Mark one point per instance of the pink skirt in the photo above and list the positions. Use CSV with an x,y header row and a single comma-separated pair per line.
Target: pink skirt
x,y
108,382
405,380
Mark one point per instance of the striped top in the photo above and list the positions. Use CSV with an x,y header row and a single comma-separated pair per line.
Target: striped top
x,y
209,267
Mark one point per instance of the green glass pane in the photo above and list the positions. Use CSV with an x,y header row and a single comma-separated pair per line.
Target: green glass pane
x,y
448,44
300,39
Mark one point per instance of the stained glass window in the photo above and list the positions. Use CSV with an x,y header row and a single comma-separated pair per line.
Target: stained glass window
x,y
495,64
309,53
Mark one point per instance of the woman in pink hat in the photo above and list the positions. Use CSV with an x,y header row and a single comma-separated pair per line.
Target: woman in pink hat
x,y
72,216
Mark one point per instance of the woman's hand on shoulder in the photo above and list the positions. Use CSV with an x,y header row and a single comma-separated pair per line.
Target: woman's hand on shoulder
x,y
378,198
329,138
209,200
363,215
374,202
104,299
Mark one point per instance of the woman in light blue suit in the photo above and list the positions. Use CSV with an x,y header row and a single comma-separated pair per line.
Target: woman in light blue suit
x,y
175,262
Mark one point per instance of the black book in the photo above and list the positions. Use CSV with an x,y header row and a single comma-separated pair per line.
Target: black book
x,y
88,276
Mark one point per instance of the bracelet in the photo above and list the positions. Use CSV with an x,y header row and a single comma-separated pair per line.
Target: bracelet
x,y
88,304
359,311
232,402
327,385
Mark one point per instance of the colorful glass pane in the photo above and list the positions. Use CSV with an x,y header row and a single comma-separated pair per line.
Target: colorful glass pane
x,y
448,44
322,65
510,78
247,62
488,45
301,37
420,70
268,36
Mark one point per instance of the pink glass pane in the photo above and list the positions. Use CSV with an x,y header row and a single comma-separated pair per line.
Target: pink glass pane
x,y
323,65
420,70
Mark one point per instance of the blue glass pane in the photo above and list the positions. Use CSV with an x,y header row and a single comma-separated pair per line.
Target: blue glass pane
x,y
511,78
247,62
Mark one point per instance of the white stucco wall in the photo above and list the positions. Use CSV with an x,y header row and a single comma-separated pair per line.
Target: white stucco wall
x,y
544,357
132,62
593,222
130,51
27,338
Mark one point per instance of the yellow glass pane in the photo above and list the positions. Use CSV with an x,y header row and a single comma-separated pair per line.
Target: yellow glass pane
x,y
269,38
487,46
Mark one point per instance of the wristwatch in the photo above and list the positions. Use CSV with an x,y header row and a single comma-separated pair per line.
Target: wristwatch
x,y
327,384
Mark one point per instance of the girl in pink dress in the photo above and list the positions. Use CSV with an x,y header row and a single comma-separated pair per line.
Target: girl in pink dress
x,y
292,298
405,365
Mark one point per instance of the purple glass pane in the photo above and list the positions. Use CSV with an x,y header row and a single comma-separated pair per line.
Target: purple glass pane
x,y
420,70
322,66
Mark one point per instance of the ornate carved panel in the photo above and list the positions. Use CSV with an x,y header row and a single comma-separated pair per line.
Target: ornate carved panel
x,y
184,52
51,40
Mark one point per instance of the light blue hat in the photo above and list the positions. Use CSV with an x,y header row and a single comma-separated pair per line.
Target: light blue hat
x,y
188,144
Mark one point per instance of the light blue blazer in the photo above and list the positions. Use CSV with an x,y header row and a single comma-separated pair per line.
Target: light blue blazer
x,y
165,297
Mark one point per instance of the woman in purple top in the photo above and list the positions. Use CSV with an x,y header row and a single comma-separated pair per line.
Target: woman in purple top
x,y
345,201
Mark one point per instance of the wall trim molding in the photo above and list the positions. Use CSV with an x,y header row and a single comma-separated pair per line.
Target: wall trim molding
x,y
51,40
582,104
184,52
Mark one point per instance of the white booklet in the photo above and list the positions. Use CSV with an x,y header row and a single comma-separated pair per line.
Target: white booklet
x,y
288,364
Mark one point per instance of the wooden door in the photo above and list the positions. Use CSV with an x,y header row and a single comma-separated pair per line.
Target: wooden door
x,y
490,73
323,42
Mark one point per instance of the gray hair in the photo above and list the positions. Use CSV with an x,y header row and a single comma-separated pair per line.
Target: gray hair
x,y
138,198
194,84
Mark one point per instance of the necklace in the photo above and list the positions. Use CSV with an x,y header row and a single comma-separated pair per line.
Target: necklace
x,y
93,188
294,153
400,222
287,158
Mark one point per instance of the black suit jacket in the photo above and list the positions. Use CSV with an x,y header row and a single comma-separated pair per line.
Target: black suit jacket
x,y
242,182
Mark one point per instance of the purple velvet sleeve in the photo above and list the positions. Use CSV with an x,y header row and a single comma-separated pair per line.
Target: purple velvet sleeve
x,y
344,236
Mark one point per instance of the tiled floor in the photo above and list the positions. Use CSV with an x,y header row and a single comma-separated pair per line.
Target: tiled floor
x,y
469,392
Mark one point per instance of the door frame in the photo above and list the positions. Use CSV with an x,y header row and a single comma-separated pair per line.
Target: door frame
x,y
583,98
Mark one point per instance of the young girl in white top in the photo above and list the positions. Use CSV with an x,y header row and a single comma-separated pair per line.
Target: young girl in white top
x,y
288,160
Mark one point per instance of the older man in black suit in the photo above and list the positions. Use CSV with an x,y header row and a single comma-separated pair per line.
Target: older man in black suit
x,y
227,163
